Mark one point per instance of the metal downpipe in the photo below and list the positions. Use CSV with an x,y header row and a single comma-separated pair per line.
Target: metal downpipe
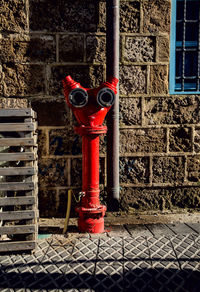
x,y
112,69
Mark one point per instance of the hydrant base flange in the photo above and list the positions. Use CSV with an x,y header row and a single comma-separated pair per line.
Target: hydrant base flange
x,y
91,219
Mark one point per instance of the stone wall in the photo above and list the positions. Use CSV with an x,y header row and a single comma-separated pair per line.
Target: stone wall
x,y
41,42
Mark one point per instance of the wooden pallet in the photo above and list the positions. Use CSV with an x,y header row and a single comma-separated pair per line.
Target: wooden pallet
x,y
18,180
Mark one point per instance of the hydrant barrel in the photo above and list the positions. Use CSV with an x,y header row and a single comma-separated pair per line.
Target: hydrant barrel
x,y
90,170
90,107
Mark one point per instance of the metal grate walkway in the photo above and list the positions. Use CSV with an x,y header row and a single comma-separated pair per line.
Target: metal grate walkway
x,y
106,263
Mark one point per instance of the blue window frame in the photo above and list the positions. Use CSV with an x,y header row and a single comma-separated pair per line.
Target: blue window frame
x,y
185,47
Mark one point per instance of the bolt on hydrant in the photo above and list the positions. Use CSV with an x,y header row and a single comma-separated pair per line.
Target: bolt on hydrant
x,y
90,107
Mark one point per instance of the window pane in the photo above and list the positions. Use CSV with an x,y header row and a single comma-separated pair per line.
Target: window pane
x,y
191,63
187,61
178,85
179,58
179,31
190,85
191,32
180,10
192,12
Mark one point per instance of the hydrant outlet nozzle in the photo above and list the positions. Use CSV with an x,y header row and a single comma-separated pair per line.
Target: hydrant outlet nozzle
x,y
106,97
78,97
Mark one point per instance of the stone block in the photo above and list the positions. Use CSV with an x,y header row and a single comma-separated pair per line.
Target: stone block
x,y
28,78
102,16
103,144
168,170
130,111
129,16
73,16
88,76
48,202
143,199
64,142
62,204
102,173
156,16
41,48
42,143
52,112
11,51
143,140
132,79
134,170
197,140
76,172
163,49
159,79
184,197
193,168
172,110
16,103
36,48
56,202
71,48
95,49
139,49
1,81
180,140
52,172
13,16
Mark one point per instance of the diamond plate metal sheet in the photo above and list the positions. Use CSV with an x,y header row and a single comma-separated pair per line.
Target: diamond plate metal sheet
x,y
187,251
137,264
165,264
109,265
105,264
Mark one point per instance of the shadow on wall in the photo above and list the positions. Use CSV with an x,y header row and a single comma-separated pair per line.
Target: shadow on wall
x,y
64,41
36,54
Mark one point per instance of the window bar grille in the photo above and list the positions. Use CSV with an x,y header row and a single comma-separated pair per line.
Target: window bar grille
x,y
183,48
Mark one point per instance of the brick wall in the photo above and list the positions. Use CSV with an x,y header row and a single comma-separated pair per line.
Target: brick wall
x,y
43,40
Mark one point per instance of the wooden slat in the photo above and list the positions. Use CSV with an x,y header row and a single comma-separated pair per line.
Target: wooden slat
x,y
16,186
17,142
15,246
19,229
27,112
24,156
17,215
13,127
9,201
17,170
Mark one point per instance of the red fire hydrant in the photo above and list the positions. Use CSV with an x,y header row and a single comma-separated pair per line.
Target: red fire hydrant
x,y
90,107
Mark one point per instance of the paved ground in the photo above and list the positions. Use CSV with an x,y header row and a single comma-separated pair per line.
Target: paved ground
x,y
161,257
